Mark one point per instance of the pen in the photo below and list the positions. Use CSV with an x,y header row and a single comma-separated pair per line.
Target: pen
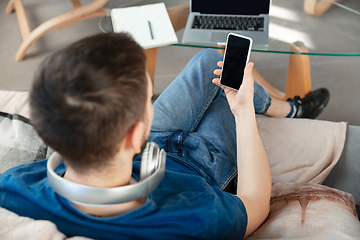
x,y
151,33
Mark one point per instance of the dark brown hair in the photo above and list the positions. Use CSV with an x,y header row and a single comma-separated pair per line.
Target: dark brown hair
x,y
86,97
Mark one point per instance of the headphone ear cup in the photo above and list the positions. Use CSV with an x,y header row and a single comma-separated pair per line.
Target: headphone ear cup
x,y
150,160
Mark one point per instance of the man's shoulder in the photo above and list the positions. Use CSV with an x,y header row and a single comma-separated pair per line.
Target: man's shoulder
x,y
31,172
24,180
24,188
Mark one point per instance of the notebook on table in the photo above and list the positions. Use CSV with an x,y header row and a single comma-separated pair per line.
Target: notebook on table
x,y
149,24
210,21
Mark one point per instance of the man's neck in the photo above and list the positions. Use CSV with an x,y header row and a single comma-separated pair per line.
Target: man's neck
x,y
104,178
105,211
114,175
112,210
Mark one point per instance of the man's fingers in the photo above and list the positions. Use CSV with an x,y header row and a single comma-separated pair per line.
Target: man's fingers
x,y
249,67
216,81
217,72
248,72
248,78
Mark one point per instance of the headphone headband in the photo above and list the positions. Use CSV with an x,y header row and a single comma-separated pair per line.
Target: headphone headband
x,y
94,196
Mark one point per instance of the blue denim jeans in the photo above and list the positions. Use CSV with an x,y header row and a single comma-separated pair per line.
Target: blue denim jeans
x,y
193,121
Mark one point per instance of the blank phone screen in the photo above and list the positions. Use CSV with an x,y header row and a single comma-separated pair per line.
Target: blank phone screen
x,y
235,60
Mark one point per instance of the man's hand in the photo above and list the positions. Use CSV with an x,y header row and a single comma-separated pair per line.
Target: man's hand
x,y
242,99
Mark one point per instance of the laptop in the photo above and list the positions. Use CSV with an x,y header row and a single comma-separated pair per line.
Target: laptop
x,y
210,21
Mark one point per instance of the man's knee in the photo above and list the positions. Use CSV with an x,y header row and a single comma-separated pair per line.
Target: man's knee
x,y
209,54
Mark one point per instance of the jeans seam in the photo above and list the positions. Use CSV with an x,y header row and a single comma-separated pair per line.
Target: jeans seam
x,y
210,99
168,140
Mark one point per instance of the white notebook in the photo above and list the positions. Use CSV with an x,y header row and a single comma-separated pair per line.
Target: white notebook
x,y
149,25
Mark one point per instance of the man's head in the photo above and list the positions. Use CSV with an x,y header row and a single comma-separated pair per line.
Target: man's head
x,y
88,96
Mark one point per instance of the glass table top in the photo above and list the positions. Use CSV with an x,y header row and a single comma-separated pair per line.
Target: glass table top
x,y
336,33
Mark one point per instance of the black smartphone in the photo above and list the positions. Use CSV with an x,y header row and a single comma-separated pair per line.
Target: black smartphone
x,y
237,54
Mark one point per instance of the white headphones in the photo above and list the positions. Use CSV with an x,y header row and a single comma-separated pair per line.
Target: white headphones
x,y
152,171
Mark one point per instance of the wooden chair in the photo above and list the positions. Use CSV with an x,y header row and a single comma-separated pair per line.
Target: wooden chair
x,y
178,16
317,8
80,12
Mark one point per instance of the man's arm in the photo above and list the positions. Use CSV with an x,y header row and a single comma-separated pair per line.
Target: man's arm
x,y
254,176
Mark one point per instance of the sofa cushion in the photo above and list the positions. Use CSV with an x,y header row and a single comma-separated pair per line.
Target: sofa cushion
x,y
307,210
15,227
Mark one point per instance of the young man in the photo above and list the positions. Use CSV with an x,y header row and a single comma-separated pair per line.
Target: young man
x,y
91,103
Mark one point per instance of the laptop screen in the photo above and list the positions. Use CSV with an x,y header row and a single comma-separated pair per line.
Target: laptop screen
x,y
240,7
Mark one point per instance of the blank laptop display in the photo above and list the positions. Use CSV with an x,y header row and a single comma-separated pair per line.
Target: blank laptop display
x,y
211,21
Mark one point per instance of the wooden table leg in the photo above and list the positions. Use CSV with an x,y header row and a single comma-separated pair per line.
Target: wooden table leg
x,y
299,75
151,61
179,15
317,8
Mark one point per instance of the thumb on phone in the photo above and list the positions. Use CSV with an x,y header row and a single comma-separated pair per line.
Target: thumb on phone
x,y
248,76
245,96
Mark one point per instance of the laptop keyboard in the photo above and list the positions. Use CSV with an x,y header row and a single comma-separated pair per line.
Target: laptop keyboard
x,y
229,23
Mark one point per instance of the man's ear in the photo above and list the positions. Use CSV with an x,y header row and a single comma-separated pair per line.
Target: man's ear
x,y
133,138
